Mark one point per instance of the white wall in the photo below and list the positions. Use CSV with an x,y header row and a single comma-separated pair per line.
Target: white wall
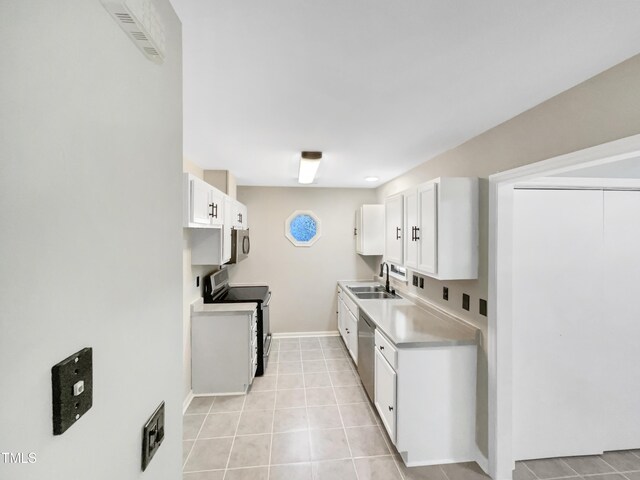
x,y
303,279
90,199
604,108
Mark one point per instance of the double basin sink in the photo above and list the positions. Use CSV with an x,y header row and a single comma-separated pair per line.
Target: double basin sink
x,y
373,292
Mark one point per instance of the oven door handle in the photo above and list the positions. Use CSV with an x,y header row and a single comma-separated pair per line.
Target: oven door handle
x,y
266,303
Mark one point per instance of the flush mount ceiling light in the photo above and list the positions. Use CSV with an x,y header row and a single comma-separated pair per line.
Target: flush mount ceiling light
x,y
309,163
371,179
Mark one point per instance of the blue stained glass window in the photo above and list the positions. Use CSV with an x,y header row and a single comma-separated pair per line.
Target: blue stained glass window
x,y
303,228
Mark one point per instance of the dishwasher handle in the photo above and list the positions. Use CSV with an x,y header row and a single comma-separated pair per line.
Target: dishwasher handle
x,y
366,320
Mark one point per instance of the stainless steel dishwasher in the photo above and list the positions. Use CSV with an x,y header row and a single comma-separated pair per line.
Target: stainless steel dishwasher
x,y
366,351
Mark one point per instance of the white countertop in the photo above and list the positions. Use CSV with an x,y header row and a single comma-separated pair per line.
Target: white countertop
x,y
408,325
200,308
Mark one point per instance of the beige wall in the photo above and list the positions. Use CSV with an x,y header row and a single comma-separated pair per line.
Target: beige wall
x,y
602,109
303,280
223,180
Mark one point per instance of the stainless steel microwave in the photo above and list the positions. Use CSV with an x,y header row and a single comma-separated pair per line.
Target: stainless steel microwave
x,y
240,245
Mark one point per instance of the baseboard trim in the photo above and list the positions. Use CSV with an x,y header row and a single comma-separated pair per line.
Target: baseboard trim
x,y
483,462
187,402
329,333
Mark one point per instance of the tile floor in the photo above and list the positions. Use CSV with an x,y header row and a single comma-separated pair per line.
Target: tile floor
x,y
308,418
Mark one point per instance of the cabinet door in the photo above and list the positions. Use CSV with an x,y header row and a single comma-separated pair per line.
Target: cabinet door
x,y
385,394
226,229
200,194
411,227
216,207
342,310
240,220
357,230
352,323
394,222
427,233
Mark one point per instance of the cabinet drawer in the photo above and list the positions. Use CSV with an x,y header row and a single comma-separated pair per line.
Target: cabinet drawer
x,y
351,305
386,348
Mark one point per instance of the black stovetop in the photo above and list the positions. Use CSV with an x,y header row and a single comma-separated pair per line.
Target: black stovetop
x,y
241,294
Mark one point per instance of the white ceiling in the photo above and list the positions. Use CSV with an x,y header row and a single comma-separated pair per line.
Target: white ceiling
x,y
379,86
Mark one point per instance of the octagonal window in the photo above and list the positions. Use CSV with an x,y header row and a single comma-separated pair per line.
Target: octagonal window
x,y
302,228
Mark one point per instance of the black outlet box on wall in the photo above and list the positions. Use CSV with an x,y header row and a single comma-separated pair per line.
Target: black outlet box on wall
x,y
152,435
445,293
465,301
72,389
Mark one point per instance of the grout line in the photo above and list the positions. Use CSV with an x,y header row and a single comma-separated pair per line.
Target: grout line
x,y
197,434
562,461
333,389
273,422
244,401
532,472
614,468
306,409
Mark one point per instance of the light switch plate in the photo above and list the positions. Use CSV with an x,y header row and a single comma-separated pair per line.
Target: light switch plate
x,y
152,435
72,389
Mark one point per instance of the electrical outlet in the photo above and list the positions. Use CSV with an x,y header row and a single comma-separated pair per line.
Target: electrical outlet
x,y
465,301
72,389
152,435
198,281
421,282
483,307
415,280
445,293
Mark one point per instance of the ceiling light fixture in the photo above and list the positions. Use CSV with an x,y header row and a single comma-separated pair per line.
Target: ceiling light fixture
x,y
309,163
371,179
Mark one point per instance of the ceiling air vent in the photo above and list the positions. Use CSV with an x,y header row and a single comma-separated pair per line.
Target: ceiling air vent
x,y
140,21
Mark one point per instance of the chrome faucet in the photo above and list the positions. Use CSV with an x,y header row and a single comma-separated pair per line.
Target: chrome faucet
x,y
387,288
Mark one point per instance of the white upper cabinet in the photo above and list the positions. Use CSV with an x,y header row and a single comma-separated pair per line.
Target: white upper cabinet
x,y
369,230
442,228
216,204
239,218
203,204
394,229
411,220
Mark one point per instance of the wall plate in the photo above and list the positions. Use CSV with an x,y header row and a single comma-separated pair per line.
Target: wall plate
x,y
72,388
483,307
152,435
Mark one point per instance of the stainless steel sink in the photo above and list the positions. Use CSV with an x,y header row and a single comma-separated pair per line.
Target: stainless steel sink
x,y
376,295
367,289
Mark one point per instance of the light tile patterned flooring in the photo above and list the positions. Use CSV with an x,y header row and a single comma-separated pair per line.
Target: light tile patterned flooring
x,y
308,418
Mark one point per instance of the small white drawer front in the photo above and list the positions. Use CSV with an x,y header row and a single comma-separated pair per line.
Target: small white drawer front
x,y
351,305
386,348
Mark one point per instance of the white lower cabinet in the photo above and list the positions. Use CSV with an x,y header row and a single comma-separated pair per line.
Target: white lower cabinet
x,y
385,393
348,323
352,341
224,351
426,397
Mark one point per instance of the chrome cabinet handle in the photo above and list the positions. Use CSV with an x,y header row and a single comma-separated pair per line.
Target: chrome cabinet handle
x,y
417,230
381,347
397,233
390,408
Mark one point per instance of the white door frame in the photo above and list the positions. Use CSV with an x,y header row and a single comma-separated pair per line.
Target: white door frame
x,y
501,186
